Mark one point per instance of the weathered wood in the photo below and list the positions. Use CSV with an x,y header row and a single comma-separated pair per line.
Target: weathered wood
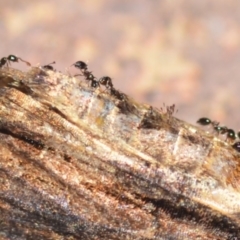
x,y
77,163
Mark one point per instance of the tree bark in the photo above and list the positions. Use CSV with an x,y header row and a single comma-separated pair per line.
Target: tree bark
x,y
81,163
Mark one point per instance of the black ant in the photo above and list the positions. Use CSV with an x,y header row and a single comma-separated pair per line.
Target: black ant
x,y
106,81
11,58
231,135
219,129
88,75
49,67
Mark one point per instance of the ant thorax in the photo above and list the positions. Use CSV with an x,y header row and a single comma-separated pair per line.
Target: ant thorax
x,y
226,134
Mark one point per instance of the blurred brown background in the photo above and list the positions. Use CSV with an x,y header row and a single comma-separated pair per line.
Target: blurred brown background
x,y
184,52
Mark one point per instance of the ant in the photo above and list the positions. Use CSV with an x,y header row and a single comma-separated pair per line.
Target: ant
x,y
219,129
88,75
231,135
49,67
106,81
11,58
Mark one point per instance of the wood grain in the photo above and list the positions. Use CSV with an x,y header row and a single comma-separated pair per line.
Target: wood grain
x,y
77,163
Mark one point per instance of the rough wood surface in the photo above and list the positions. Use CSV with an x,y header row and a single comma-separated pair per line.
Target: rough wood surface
x,y
77,163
